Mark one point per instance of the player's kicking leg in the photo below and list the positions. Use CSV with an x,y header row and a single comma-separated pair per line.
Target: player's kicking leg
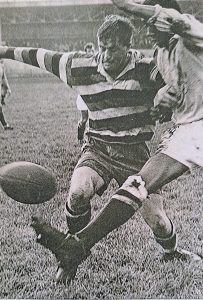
x,y
159,170
85,183
71,250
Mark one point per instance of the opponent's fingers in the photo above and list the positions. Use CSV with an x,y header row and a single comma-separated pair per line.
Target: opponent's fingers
x,y
154,113
164,18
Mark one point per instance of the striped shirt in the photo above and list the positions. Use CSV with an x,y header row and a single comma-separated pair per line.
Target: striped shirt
x,y
118,108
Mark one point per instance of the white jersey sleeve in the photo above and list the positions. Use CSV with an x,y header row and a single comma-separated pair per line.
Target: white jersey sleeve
x,y
186,25
81,104
194,32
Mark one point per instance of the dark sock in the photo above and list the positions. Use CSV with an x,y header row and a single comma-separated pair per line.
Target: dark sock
x,y
113,215
77,221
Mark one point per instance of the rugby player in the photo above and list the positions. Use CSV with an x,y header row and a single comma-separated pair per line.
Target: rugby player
x,y
89,48
118,86
4,92
179,56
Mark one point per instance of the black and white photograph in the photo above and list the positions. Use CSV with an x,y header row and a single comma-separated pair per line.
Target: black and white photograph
x,y
101,129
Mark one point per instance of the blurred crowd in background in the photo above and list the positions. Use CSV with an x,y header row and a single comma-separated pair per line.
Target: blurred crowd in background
x,y
68,28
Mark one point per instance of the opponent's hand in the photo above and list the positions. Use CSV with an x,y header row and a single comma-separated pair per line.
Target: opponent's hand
x,y
161,114
167,97
155,113
164,18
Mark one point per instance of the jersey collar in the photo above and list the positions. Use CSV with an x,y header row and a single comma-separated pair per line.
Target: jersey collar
x,y
131,65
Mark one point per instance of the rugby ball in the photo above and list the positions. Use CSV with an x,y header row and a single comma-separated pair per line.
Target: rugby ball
x,y
27,182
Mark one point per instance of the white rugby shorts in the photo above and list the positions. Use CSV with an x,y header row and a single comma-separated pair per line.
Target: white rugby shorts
x,y
184,143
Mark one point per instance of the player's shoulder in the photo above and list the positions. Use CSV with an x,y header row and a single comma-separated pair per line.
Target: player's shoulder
x,y
81,59
140,57
136,54
79,54
147,61
147,64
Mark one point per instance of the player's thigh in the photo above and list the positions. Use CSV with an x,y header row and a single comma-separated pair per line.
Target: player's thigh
x,y
159,170
85,182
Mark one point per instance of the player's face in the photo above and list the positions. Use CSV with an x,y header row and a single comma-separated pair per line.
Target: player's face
x,y
90,51
114,54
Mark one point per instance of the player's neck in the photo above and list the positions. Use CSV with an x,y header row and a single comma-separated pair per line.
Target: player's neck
x,y
122,66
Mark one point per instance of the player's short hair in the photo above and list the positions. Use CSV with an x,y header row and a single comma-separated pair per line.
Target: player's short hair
x,y
164,3
89,46
116,26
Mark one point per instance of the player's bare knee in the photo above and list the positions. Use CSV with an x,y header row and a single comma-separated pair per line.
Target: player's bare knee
x,y
84,184
78,198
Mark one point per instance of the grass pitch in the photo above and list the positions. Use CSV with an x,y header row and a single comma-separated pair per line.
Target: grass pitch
x,y
125,265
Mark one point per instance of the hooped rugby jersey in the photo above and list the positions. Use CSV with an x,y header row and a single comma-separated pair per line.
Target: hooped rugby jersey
x,y
119,109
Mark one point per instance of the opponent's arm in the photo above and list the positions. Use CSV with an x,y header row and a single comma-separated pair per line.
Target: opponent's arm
x,y
190,29
167,97
165,102
166,19
161,17
57,63
135,7
185,25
